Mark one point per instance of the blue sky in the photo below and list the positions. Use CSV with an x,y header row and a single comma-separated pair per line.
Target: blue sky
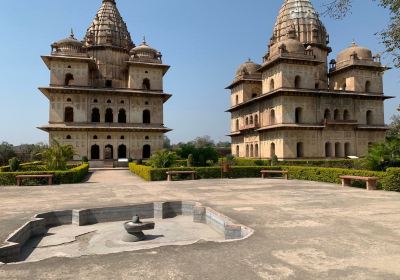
x,y
204,42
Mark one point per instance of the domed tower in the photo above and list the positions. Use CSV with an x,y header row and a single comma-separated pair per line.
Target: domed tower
x,y
356,69
108,41
106,95
298,20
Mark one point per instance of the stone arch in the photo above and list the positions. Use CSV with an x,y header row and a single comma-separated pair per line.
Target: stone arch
x,y
367,86
256,119
256,150
69,114
347,149
327,114
146,117
251,120
109,117
272,119
328,149
346,115
121,151
146,84
369,117
68,137
95,152
299,115
300,150
251,150
109,152
272,150
69,78
247,151
338,150
237,125
336,115
297,82
237,150
146,151
272,85
95,115
122,116
237,99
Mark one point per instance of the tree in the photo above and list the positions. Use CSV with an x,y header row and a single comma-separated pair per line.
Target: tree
x,y
167,143
6,153
394,126
163,159
204,141
390,37
57,156
222,144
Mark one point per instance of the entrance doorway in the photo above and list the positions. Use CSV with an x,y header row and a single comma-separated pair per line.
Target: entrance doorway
x,y
122,151
109,152
146,151
95,152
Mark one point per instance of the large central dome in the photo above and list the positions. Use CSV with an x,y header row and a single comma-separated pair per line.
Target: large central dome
x,y
108,28
300,15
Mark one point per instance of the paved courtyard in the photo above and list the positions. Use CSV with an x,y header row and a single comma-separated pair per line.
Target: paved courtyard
x,y
303,230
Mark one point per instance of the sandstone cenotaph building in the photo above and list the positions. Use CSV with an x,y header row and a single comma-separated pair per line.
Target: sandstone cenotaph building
x,y
106,94
296,105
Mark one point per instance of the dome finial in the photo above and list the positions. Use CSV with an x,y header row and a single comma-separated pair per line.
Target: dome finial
x,y
353,43
72,35
144,40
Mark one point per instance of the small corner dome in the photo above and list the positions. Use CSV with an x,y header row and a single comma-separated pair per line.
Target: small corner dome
x,y
68,46
247,68
145,52
361,52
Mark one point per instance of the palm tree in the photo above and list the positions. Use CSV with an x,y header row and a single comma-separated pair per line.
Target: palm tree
x,y
57,156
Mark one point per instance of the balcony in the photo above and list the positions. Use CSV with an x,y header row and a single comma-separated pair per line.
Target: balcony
x,y
250,127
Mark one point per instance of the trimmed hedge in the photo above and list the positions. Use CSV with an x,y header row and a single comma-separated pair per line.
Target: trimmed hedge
x,y
328,175
392,180
24,166
159,174
72,176
329,163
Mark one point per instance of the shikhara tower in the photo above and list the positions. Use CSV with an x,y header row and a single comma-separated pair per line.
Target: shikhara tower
x,y
295,105
106,95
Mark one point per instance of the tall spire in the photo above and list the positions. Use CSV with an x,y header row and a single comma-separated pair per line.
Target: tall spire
x,y
299,16
108,28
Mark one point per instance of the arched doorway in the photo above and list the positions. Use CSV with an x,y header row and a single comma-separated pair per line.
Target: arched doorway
x,y
109,116
146,84
272,150
237,151
95,115
69,114
146,117
347,150
256,150
122,151
327,114
300,150
146,151
298,115
95,152
338,150
109,152
328,150
122,116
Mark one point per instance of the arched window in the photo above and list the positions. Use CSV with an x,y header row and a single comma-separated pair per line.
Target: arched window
x,y
109,116
69,137
95,115
347,149
328,149
298,115
69,114
146,116
256,119
147,138
300,150
369,118
271,85
108,101
146,84
95,152
95,137
122,116
121,151
272,150
109,152
69,100
336,115
68,79
247,151
256,150
272,119
95,101
237,151
338,150
327,114
109,83
109,137
346,115
247,120
368,86
254,95
251,120
237,125
146,151
122,102
251,151
122,137
297,81
316,85
237,100
344,86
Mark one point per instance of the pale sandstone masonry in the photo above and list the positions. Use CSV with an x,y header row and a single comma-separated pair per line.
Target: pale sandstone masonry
x,y
294,106
106,94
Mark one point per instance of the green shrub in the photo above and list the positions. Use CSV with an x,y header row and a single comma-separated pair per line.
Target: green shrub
x,y
72,176
392,180
274,160
162,159
14,164
85,159
251,162
190,160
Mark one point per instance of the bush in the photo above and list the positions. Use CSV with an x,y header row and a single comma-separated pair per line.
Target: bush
x,y
274,160
392,180
251,162
14,164
72,176
190,160
162,159
85,159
